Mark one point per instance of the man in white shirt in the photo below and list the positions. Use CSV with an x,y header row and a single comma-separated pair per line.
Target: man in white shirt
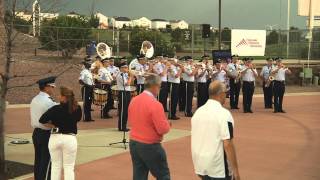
x,y
234,81
202,88
279,85
249,74
142,68
174,72
86,80
161,68
105,79
41,134
212,138
266,85
220,72
114,70
188,76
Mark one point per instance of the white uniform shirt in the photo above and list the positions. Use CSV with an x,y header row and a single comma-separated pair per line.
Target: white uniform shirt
x,y
207,135
220,76
266,71
202,75
280,75
172,73
142,69
114,70
186,74
233,69
86,77
160,68
249,74
39,105
105,75
122,80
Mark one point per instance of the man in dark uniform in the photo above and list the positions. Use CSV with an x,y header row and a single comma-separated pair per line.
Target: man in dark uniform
x,y
235,81
267,85
182,91
161,68
249,74
86,80
41,134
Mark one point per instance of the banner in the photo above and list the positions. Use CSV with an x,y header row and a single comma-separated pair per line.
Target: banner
x,y
304,7
248,42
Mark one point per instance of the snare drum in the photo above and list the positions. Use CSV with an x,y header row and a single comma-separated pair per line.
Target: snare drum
x,y
99,97
115,91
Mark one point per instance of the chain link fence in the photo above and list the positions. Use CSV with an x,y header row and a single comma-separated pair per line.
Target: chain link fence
x,y
61,41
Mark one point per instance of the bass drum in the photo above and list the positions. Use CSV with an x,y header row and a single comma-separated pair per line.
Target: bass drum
x,y
100,97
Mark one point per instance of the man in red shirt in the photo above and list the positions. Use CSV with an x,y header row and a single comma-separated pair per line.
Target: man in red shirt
x,y
148,124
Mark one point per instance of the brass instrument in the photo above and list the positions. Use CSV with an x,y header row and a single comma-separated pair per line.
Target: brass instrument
x,y
147,49
238,76
103,50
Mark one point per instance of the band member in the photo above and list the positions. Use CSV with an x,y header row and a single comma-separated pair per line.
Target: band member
x,y
63,119
87,82
41,134
188,75
267,84
182,90
219,73
114,70
174,72
106,79
279,86
235,81
202,77
124,79
209,67
141,68
161,68
249,74
97,62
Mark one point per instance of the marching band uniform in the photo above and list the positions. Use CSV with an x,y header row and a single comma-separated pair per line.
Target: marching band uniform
x,y
248,77
41,134
279,86
106,78
267,91
114,70
141,68
219,73
188,78
234,81
174,72
161,69
202,94
87,82
124,97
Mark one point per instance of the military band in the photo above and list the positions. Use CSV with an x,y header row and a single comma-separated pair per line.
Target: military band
x,y
234,79
267,85
249,74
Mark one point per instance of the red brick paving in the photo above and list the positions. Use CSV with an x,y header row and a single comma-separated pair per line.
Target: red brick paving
x,y
269,146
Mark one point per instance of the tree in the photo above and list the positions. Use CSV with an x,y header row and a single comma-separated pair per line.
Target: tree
x,y
295,34
178,38
273,37
20,25
66,34
161,44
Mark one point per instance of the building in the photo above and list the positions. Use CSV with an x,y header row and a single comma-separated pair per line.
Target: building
x,y
120,22
159,24
26,15
142,22
181,24
73,14
103,21
49,16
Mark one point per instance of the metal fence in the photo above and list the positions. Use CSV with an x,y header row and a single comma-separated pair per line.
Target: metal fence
x,y
55,41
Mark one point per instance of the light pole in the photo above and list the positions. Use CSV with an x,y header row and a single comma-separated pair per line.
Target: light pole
x,y
288,28
219,44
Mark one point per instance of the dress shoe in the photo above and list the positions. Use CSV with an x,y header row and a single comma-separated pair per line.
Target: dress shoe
x,y
107,116
189,115
125,130
282,111
250,111
91,109
90,120
174,118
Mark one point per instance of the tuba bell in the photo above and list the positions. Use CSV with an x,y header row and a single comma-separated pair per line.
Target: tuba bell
x,y
147,49
103,50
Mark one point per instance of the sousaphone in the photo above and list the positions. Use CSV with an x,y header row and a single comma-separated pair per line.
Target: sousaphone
x,y
146,49
103,50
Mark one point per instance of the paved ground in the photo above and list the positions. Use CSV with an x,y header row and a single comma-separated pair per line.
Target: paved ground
x,y
269,146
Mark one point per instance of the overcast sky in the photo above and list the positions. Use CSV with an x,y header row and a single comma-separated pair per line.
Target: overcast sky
x,y
250,14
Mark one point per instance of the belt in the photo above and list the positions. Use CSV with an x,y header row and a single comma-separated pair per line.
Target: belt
x,y
279,81
39,129
249,81
57,131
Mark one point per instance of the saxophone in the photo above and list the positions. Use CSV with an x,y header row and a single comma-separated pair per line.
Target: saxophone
x,y
270,79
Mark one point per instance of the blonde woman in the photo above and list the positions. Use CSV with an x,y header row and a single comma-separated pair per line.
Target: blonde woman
x,y
63,119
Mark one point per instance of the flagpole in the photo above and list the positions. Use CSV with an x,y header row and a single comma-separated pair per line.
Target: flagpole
x,y
311,18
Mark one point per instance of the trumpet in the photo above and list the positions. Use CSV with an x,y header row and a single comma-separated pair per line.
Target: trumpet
x,y
140,73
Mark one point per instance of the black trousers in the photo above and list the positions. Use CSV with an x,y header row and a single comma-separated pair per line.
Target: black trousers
x,y
234,93
148,157
87,93
182,96
202,94
174,97
109,103
267,94
279,89
189,90
140,88
124,98
163,95
247,91
42,167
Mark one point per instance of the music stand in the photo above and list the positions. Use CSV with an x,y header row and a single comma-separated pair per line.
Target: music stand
x,y
124,140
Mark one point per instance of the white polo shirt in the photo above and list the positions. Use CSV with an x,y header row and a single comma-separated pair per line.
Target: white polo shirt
x,y
161,68
207,135
174,70
186,76
86,77
280,75
249,75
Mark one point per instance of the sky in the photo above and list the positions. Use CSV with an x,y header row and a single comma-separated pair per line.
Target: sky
x,y
246,14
